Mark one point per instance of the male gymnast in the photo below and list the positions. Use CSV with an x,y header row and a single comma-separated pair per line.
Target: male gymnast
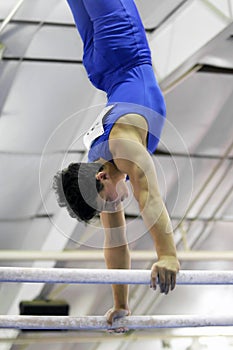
x,y
117,59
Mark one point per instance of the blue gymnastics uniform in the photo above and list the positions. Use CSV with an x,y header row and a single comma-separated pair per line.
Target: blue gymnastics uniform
x,y
117,59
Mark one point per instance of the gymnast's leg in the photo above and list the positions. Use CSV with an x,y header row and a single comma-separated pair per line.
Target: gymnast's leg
x,y
114,38
82,21
119,35
85,28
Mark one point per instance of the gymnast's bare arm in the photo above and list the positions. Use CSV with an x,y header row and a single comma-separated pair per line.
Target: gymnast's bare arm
x,y
116,253
127,144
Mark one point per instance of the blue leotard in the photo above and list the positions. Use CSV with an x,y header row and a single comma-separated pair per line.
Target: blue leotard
x,y
117,59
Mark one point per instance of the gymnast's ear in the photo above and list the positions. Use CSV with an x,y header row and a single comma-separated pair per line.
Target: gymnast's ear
x,y
102,175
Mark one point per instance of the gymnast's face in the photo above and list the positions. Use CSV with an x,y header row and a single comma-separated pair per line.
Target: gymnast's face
x,y
113,193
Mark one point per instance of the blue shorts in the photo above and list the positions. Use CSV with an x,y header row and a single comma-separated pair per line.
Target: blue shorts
x,y
116,55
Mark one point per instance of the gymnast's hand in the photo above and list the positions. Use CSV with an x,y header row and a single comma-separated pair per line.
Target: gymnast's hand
x,y
164,271
114,314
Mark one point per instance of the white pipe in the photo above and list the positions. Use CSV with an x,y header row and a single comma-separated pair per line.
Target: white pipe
x,y
97,255
11,15
99,322
77,338
105,276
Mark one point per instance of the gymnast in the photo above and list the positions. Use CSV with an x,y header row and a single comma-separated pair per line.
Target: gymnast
x,y
117,59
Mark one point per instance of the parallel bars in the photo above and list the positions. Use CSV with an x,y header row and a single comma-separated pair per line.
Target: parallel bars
x,y
87,323
105,276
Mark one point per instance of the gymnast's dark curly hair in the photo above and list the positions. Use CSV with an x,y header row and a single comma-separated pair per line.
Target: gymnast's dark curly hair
x,y
77,188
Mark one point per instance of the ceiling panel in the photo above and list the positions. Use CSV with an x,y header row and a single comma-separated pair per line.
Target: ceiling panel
x,y
36,41
56,43
176,180
154,12
59,12
6,7
17,38
8,70
218,137
13,233
44,96
197,101
219,239
228,213
189,183
24,235
221,54
19,182
224,6
219,46
39,10
220,192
